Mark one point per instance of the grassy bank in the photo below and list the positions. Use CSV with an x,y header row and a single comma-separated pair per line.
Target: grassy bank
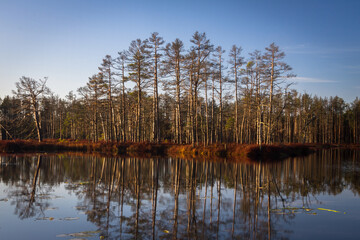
x,y
243,151
145,149
55,146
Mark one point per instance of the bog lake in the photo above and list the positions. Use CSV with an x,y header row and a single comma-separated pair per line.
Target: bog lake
x,y
75,196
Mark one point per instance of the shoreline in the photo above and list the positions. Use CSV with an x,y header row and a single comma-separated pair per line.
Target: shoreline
x,y
271,152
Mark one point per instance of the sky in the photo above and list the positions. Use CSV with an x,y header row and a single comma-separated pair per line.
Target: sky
x,y
66,40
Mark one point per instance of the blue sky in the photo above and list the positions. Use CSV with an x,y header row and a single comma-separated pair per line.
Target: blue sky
x,y
65,40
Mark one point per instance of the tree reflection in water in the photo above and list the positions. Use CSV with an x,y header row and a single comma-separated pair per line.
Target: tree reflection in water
x,y
156,198
29,197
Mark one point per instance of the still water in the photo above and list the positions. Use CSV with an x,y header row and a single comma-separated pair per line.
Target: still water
x,y
91,197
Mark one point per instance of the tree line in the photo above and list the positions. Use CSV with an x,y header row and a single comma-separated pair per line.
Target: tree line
x,y
156,91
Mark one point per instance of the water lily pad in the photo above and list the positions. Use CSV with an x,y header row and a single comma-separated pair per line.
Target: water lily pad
x,y
80,207
84,234
291,208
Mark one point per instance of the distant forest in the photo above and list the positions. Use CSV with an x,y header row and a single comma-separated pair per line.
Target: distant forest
x,y
161,92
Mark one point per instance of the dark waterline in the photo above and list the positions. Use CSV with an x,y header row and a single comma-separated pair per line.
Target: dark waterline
x,y
88,197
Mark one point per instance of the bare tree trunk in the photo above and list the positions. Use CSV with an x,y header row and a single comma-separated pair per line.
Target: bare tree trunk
x,y
138,137
196,136
206,112
270,125
155,123
123,105
192,111
178,105
221,107
154,130
38,125
236,106
213,112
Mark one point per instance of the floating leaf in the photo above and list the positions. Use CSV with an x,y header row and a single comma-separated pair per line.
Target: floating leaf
x,y
44,197
70,218
166,231
51,208
80,207
291,208
328,210
46,218
83,183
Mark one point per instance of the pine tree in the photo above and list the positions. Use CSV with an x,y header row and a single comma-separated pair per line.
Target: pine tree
x,y
155,43
174,61
236,61
139,73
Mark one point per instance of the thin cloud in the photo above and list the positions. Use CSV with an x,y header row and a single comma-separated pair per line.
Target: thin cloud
x,y
312,80
295,47
353,67
305,49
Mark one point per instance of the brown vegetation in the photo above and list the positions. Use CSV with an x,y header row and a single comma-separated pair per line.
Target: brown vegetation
x,y
145,149
244,151
103,147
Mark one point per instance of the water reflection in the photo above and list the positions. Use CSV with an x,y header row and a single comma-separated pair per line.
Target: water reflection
x,y
126,198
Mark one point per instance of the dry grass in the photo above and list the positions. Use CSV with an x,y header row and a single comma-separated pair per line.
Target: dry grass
x,y
242,151
54,146
147,149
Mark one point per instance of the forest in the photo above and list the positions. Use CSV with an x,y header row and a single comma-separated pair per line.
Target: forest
x,y
162,92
